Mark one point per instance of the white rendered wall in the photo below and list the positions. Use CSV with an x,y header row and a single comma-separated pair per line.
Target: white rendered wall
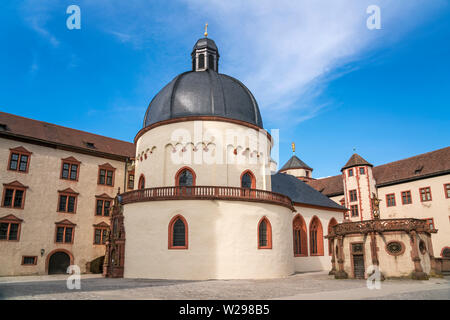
x,y
316,263
222,240
205,148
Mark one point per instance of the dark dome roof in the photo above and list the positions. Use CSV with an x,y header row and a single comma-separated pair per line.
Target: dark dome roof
x,y
204,92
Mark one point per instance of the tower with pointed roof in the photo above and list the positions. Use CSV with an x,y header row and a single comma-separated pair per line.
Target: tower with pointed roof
x,y
296,167
359,188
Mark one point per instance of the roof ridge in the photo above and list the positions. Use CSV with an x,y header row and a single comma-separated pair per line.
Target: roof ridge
x,y
57,125
418,155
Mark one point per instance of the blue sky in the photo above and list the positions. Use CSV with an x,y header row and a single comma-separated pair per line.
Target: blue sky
x,y
319,75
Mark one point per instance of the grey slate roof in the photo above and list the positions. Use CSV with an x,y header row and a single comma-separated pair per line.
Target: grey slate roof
x,y
295,163
205,43
204,93
300,192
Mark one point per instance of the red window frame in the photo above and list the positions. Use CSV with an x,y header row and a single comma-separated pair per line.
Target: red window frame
x,y
426,193
353,209
406,193
350,172
141,183
180,171
67,193
316,226
353,195
268,234
103,232
65,224
430,223
107,168
19,151
29,264
103,198
299,225
71,161
14,186
252,177
390,200
447,190
9,220
186,232
331,224
362,170
130,183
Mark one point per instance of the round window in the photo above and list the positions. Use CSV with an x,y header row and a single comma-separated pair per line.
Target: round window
x,y
446,252
395,248
422,247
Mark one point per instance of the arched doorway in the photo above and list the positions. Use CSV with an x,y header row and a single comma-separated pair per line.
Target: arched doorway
x,y
58,262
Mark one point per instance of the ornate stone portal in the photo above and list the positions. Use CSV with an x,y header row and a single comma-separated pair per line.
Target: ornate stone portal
x,y
397,247
113,266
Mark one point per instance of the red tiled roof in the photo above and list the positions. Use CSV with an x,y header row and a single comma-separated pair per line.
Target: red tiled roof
x,y
328,186
38,131
417,167
356,160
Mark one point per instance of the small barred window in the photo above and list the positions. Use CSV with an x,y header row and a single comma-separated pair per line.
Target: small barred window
x,y
394,248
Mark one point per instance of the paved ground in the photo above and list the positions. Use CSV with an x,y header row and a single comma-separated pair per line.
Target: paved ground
x,y
317,285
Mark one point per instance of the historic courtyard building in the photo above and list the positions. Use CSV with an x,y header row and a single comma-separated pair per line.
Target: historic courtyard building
x,y
396,193
195,197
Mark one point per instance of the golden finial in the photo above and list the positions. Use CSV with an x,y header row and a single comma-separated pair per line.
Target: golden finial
x,y
293,147
206,29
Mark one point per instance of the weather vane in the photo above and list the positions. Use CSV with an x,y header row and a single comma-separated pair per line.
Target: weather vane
x,y
206,29
293,147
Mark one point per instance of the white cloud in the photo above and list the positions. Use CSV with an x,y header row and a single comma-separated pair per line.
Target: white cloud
x,y
286,51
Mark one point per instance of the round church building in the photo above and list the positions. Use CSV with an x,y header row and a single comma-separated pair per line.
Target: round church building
x,y
202,206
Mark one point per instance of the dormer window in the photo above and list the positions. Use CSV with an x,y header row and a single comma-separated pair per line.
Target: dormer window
x,y
418,170
90,145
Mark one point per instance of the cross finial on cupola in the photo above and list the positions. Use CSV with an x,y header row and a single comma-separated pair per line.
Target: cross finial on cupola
x,y
205,55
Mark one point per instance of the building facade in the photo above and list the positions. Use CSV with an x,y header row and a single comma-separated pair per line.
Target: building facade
x,y
57,187
413,188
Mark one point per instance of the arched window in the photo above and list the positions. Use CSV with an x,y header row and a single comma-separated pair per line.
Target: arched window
x,y
178,233
315,237
141,184
331,224
248,180
264,234
201,61
300,242
185,177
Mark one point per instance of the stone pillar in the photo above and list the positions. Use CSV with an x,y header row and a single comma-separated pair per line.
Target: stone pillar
x,y
333,257
435,269
418,273
374,252
341,274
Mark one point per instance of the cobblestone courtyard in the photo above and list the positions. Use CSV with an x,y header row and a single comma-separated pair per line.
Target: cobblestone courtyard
x,y
316,285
